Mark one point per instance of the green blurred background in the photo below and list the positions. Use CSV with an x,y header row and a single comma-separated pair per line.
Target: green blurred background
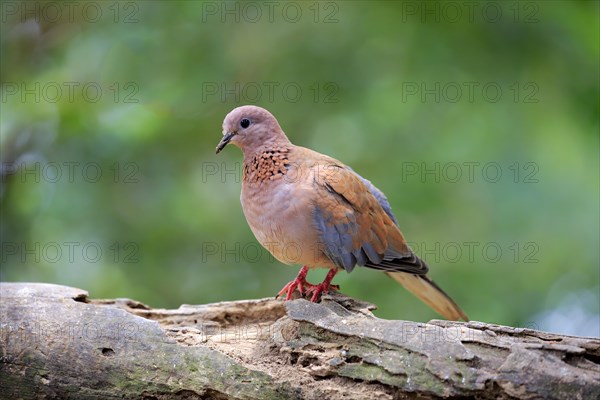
x,y
111,112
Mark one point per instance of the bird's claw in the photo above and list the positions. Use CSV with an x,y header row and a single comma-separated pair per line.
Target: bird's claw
x,y
290,287
322,287
299,283
308,288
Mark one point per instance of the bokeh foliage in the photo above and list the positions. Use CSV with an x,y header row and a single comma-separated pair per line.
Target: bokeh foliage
x,y
165,203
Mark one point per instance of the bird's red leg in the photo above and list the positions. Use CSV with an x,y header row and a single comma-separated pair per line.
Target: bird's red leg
x,y
299,282
323,286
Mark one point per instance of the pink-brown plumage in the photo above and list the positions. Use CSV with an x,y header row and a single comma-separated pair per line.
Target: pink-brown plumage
x,y
310,209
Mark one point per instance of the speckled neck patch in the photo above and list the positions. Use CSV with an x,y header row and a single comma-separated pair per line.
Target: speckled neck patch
x,y
269,164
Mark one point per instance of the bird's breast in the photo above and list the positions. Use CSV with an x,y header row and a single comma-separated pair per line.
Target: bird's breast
x,y
280,213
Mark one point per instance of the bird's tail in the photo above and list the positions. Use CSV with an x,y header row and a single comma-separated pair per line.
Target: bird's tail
x,y
431,294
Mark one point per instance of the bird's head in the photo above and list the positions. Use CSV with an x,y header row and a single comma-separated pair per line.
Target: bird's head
x,y
250,127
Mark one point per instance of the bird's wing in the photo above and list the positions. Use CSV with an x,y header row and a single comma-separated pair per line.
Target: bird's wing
x,y
356,225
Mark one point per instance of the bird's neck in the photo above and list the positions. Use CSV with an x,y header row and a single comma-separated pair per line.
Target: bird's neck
x,y
269,162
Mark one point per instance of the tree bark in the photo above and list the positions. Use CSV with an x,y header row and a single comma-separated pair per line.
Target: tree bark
x,y
56,342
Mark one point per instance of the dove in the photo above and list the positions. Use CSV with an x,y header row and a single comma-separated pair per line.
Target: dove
x,y
310,209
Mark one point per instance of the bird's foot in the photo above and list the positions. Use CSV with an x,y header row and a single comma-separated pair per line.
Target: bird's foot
x,y
322,287
305,287
316,290
298,283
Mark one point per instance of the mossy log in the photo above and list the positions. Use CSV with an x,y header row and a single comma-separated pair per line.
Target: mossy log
x,y
56,342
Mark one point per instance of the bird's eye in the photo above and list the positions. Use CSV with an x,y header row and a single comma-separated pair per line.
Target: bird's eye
x,y
244,123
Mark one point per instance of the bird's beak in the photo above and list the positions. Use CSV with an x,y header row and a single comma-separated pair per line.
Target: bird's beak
x,y
226,138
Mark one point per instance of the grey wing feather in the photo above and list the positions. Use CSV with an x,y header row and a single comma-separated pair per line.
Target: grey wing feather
x,y
337,241
381,199
394,261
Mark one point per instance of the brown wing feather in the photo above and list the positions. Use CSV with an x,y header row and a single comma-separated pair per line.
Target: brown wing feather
x,y
355,226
